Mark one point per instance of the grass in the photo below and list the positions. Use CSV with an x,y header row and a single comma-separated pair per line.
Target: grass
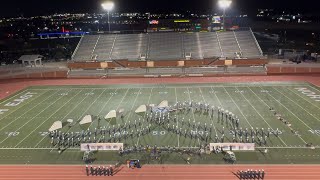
x,y
23,127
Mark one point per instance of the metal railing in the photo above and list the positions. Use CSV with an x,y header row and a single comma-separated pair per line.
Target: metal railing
x,y
255,39
76,50
222,54
235,36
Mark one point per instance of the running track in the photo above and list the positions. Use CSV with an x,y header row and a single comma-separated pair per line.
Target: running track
x,y
166,172
161,172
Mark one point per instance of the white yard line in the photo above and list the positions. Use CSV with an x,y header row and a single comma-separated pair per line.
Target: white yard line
x,y
214,127
216,96
134,102
28,111
23,105
194,119
121,102
260,114
74,107
145,113
304,98
116,108
238,108
34,116
104,107
89,108
175,93
290,112
105,104
219,103
296,104
46,119
220,106
269,107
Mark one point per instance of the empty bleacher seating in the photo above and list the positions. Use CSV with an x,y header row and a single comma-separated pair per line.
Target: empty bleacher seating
x,y
248,45
130,46
167,46
163,46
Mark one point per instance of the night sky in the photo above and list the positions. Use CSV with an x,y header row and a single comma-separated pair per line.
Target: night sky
x,y
43,7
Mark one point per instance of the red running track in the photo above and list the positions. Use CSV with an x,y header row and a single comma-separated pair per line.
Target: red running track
x,y
161,172
8,87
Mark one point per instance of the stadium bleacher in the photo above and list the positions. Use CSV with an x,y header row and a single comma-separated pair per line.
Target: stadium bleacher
x,y
168,46
130,46
248,44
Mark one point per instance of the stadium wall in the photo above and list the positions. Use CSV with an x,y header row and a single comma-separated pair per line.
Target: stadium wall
x,y
38,75
273,69
165,63
290,69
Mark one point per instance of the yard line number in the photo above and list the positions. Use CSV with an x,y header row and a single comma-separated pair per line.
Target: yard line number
x,y
317,132
12,134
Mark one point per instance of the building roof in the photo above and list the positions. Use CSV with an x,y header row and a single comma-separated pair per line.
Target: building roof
x,y
30,57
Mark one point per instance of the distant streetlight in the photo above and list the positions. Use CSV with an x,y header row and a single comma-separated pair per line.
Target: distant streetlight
x,y
108,6
224,4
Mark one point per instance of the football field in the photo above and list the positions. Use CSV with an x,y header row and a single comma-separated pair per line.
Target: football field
x,y
26,116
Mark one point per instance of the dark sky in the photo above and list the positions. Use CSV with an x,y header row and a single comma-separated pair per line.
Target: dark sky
x,y
40,7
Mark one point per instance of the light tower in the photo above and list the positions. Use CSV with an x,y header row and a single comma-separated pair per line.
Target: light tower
x,y
224,4
108,6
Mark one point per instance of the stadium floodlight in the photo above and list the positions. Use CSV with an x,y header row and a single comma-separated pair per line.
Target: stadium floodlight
x,y
224,4
108,6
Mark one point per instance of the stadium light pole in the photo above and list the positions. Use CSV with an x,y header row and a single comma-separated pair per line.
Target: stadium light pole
x,y
108,6
224,4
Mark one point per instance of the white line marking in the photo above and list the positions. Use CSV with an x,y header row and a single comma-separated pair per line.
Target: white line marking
x,y
290,112
304,98
88,109
145,114
28,111
115,109
105,103
34,117
194,119
238,107
260,114
219,103
23,105
269,107
296,104
74,107
175,93
214,127
46,119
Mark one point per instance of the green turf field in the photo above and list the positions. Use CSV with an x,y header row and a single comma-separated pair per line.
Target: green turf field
x,y
24,123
